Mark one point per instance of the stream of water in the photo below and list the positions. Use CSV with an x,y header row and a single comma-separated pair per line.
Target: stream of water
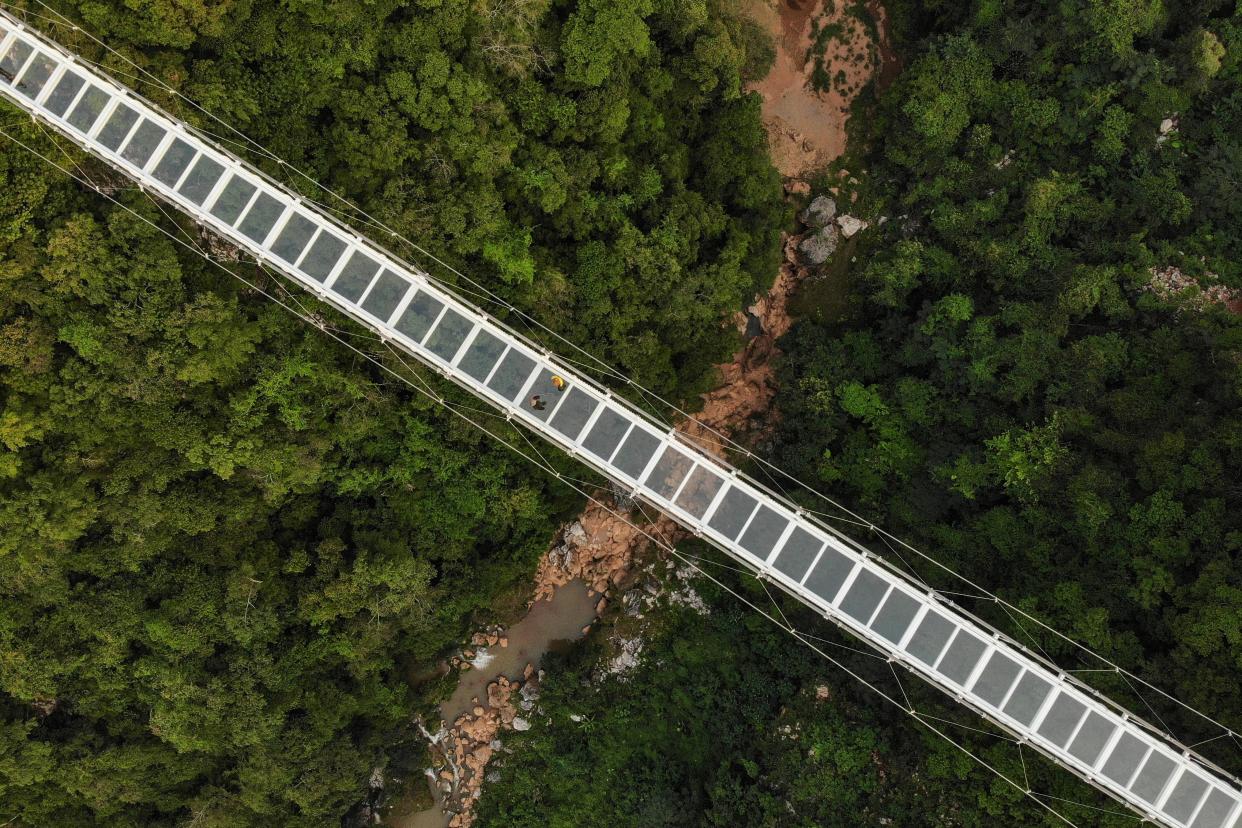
x,y
546,627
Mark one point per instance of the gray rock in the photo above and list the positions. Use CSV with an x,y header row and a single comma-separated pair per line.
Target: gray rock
x,y
851,225
520,724
817,247
820,213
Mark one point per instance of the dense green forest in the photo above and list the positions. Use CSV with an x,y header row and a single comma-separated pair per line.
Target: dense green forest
x,y
225,538
1015,387
1011,387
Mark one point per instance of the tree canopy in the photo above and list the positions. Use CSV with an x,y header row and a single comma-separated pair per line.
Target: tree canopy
x,y
227,537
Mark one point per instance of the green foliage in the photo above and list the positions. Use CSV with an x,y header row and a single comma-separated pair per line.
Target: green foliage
x,y
600,34
642,747
1009,393
225,536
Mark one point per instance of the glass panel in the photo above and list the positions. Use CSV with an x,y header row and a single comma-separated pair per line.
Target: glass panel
x,y
144,141
606,434
386,295
798,553
176,158
895,616
1152,778
634,453
89,106
763,533
732,513
356,275
960,659
482,355
119,123
544,394
1214,810
1185,796
36,74
699,491
1125,758
511,374
446,339
996,679
233,199
12,62
418,316
829,574
1092,737
323,255
261,217
929,639
63,94
201,179
1062,718
669,471
864,595
574,413
1027,698
293,237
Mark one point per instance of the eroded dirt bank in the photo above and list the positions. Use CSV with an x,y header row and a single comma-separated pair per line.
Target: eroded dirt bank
x,y
596,553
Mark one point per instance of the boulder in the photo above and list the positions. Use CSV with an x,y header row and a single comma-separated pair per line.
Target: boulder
x,y
820,212
796,187
520,724
851,225
817,247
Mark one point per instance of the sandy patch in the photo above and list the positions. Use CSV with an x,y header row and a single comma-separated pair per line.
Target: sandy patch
x,y
825,55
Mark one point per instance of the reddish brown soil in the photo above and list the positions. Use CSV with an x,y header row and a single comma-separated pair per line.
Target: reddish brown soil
x,y
806,127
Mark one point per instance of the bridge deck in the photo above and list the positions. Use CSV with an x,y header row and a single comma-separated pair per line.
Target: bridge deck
x,y
1137,764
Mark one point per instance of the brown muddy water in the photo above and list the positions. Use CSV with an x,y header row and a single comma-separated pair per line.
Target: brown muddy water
x,y
548,626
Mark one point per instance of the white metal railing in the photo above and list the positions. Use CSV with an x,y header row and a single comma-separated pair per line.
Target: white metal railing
x,y
1136,763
